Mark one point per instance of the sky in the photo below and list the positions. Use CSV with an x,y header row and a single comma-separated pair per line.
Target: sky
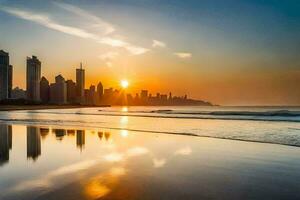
x,y
243,52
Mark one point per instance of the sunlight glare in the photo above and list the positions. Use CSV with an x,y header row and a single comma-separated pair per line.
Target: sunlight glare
x,y
124,84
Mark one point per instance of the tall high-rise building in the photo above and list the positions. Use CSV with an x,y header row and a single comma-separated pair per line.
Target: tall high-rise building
x,y
33,77
100,91
58,91
80,83
4,67
10,79
71,91
44,90
91,97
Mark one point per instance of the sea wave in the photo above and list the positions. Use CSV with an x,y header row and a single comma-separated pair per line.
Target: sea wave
x,y
279,113
274,116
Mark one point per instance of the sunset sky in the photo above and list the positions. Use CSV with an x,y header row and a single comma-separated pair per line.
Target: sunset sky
x,y
243,52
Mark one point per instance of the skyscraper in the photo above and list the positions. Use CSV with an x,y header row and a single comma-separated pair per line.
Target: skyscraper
x,y
80,81
9,81
99,92
33,77
91,98
44,90
71,91
4,67
58,91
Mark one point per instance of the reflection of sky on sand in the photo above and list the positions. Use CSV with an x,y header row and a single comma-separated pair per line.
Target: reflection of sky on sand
x,y
101,146
157,163
115,162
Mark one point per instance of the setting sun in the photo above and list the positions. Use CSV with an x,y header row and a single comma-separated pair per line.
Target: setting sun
x,y
124,84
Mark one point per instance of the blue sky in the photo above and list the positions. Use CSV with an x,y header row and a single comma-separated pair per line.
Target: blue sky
x,y
212,44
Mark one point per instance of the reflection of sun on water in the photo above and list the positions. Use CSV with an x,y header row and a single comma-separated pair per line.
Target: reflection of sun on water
x,y
104,183
96,190
124,120
124,109
124,133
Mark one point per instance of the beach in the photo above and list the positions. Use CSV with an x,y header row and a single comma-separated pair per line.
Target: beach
x,y
119,153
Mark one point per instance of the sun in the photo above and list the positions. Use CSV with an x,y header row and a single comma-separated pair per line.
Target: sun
x,y
124,84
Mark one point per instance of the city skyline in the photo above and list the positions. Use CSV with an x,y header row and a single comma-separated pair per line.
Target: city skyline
x,y
65,91
221,54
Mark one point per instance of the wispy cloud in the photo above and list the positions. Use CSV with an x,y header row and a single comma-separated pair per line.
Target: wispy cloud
x,y
157,43
46,21
183,55
109,55
135,50
97,21
109,64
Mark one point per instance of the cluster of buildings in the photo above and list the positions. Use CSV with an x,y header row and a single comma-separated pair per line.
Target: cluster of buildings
x,y
39,90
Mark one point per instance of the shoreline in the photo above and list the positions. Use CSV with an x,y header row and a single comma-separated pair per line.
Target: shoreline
x,y
41,107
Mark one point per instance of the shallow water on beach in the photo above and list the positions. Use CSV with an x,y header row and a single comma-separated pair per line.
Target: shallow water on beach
x,y
57,162
278,125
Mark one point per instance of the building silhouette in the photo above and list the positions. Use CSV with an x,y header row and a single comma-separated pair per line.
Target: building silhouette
x,y
33,142
99,92
91,96
5,142
80,139
18,93
144,94
5,76
44,90
71,91
33,77
58,91
80,83
10,80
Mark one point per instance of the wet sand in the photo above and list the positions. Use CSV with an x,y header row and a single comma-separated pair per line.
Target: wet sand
x,y
119,164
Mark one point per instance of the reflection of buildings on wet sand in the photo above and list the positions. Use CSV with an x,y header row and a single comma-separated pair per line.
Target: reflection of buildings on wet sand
x,y
106,135
59,133
44,132
33,142
100,135
80,139
71,132
5,142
